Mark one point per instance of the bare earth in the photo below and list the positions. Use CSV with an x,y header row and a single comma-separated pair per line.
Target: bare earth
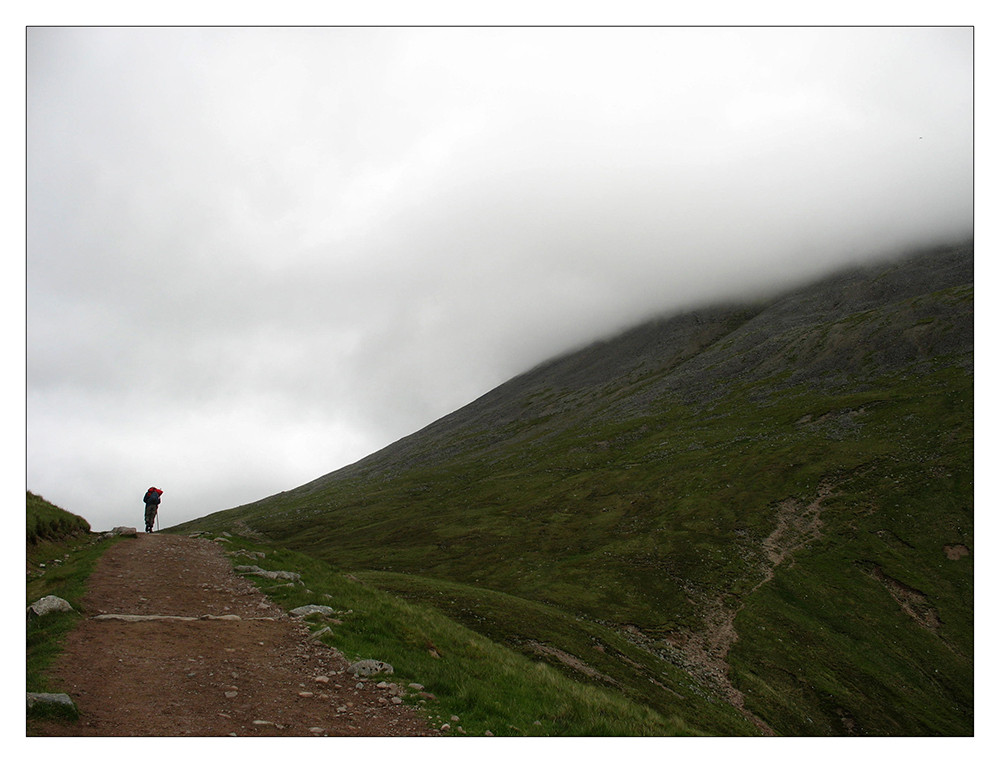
x,y
246,677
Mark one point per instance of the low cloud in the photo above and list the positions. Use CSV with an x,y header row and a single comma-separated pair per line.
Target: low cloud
x,y
256,255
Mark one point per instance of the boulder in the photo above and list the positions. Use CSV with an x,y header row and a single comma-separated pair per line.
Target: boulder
x,y
252,569
47,605
369,667
45,698
312,609
248,569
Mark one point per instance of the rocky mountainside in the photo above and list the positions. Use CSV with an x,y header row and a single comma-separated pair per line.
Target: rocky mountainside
x,y
773,500
845,330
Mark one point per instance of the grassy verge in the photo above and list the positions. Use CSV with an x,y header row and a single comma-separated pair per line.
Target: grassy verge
x,y
68,581
489,686
57,565
585,651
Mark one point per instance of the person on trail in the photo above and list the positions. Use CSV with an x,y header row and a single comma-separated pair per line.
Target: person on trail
x,y
152,501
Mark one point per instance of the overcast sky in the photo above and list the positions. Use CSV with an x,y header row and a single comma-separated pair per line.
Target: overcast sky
x,y
257,255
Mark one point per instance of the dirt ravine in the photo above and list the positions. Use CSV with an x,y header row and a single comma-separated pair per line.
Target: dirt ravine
x,y
259,675
796,527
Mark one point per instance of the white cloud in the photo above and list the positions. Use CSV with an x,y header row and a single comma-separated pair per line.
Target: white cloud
x,y
289,247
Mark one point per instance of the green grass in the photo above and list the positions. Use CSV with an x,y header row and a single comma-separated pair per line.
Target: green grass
x,y
488,686
607,536
590,653
603,536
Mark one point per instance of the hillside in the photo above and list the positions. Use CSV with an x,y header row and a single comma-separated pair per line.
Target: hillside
x,y
754,517
47,522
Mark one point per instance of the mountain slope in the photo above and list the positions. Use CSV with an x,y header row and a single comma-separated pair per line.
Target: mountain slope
x,y
774,499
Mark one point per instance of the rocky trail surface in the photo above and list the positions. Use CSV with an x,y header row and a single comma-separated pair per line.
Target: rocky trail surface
x,y
248,669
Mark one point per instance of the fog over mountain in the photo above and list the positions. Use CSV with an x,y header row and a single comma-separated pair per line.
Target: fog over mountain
x,y
257,254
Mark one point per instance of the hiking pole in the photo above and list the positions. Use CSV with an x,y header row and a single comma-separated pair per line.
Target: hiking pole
x,y
157,521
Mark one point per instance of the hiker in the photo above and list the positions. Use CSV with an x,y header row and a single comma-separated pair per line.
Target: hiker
x,y
152,501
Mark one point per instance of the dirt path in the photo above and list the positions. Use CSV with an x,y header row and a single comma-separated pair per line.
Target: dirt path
x,y
219,677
